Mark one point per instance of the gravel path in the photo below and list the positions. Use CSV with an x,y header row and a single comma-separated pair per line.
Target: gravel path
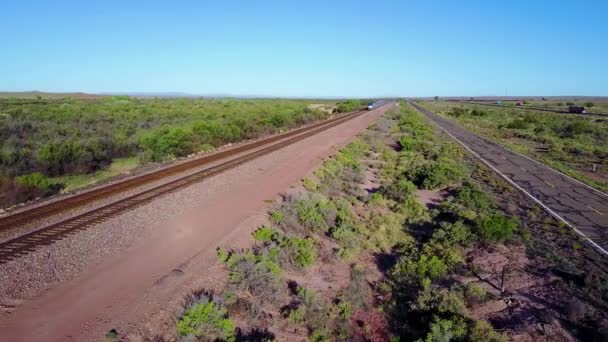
x,y
117,271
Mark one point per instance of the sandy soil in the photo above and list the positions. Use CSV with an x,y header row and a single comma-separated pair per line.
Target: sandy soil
x,y
124,289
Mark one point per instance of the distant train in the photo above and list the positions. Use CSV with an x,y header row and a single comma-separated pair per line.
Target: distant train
x,y
376,104
576,109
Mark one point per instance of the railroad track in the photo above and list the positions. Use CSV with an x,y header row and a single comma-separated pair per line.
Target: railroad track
x,y
27,243
538,109
34,214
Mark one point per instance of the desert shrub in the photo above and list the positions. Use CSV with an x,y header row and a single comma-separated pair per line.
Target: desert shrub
x,y
444,330
457,111
469,202
482,331
264,234
299,252
215,133
518,124
449,255
418,270
383,231
167,143
346,236
310,310
277,217
311,214
532,118
351,105
375,200
206,320
437,174
343,174
39,181
589,104
451,234
442,301
413,210
309,184
399,190
408,143
58,157
478,112
358,294
474,293
304,212
258,273
572,129
25,188
496,227
285,250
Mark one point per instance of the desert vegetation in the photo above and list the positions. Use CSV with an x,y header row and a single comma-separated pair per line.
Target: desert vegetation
x,y
49,144
572,144
473,266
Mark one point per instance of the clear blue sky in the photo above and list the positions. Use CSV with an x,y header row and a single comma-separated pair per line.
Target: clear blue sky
x,y
306,48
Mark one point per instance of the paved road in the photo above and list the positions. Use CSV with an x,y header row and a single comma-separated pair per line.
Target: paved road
x,y
580,206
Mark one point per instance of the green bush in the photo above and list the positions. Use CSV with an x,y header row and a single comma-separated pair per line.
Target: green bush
x,y
496,227
445,330
438,174
351,105
263,234
259,274
452,234
309,184
470,196
399,190
301,252
474,293
305,212
286,250
457,111
518,124
478,112
426,267
413,210
310,214
482,331
408,143
36,180
206,320
442,301
167,143
376,199
572,129
383,231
